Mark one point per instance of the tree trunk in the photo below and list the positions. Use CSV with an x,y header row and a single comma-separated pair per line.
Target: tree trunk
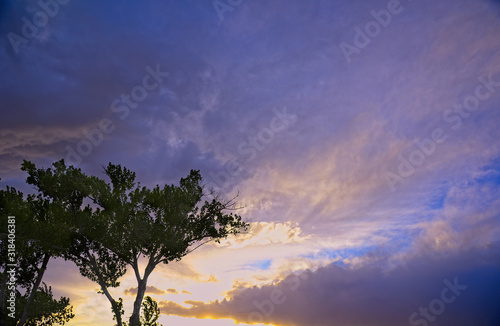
x,y
141,290
34,290
114,304
3,286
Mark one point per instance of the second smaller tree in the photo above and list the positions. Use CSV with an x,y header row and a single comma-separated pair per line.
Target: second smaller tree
x,y
129,224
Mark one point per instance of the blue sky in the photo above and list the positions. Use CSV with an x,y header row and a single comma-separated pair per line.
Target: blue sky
x,y
375,172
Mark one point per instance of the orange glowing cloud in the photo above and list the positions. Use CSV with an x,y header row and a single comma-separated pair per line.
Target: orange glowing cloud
x,y
149,289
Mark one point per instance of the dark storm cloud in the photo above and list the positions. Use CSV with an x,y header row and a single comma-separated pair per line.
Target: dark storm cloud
x,y
224,77
353,122
82,61
368,295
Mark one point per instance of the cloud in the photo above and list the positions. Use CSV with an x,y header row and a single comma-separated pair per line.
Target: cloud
x,y
211,279
365,295
326,173
172,291
149,289
180,270
34,143
266,233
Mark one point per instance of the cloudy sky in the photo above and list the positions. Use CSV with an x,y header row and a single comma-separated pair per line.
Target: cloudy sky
x,y
361,137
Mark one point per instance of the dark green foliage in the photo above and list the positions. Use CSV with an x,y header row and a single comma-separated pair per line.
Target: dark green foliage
x,y
38,238
114,225
150,312
44,311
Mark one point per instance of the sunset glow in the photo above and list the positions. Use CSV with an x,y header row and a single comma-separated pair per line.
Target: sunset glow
x,y
359,140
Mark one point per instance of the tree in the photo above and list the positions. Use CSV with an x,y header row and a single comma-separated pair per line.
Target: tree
x,y
27,254
150,312
128,223
46,310
66,188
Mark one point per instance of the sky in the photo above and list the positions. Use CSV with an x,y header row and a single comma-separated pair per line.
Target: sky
x,y
361,138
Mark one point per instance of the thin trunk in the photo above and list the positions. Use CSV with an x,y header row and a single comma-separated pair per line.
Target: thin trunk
x,y
104,288
34,290
3,286
114,304
141,290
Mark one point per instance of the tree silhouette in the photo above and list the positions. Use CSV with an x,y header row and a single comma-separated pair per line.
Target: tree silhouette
x,y
37,240
124,223
150,312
